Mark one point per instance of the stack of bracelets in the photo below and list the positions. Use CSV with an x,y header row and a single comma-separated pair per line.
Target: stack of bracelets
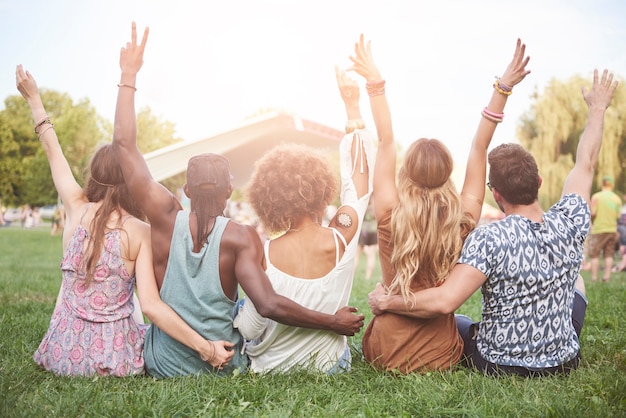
x,y
45,120
375,88
502,89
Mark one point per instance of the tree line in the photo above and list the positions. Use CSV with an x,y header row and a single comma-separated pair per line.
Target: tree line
x,y
552,127
550,130
24,169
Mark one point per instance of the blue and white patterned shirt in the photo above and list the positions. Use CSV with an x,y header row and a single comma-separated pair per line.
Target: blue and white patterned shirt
x,y
531,271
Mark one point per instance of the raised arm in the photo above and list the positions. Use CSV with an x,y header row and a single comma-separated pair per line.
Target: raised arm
x,y
473,192
386,194
356,154
69,190
580,179
154,199
217,353
255,283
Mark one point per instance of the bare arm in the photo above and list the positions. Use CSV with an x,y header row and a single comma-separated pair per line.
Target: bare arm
x,y
473,192
463,281
217,353
356,157
598,99
154,199
69,190
269,304
385,192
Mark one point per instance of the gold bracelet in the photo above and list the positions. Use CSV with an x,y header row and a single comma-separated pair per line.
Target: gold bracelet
x,y
127,85
496,85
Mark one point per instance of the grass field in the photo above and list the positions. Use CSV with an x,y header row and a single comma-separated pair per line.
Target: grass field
x,y
30,279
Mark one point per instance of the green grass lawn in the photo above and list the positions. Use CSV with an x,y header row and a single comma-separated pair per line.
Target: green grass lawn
x,y
30,279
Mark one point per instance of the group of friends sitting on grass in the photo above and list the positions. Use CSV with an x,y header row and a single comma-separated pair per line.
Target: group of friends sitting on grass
x,y
125,232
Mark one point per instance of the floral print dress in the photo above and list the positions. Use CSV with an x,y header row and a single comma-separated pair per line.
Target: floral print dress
x,y
92,331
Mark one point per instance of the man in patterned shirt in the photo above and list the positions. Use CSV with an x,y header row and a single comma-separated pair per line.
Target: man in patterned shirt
x,y
527,264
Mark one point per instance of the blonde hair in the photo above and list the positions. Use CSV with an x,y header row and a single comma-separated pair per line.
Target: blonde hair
x,y
428,225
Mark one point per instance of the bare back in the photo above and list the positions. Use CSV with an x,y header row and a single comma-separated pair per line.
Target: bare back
x,y
307,254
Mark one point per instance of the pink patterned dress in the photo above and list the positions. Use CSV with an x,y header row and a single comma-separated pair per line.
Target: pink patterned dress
x,y
92,331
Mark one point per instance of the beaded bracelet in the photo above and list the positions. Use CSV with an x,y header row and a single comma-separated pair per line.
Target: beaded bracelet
x,y
354,124
375,88
127,85
502,88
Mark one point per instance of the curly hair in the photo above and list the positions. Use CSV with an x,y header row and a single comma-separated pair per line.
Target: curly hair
x,y
105,183
428,225
289,182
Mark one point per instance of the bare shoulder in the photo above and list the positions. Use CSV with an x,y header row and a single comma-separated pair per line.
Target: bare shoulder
x,y
137,227
240,232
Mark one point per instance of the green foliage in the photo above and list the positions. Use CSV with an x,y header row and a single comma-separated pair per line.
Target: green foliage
x,y
23,164
29,283
154,133
551,130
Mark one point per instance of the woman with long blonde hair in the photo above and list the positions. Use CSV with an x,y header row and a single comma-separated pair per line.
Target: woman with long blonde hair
x,y
423,222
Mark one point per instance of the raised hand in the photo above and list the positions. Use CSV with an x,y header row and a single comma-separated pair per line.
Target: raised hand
x,y
516,71
363,61
348,87
601,92
26,83
347,322
131,56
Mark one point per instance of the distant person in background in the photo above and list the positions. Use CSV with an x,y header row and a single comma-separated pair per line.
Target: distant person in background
x,y
36,217
58,220
309,263
368,243
27,216
605,211
621,229
2,221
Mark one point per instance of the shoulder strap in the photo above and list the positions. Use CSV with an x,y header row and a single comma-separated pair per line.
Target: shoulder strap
x,y
84,212
342,238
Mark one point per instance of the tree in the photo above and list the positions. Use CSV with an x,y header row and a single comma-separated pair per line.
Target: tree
x,y
154,133
24,168
551,130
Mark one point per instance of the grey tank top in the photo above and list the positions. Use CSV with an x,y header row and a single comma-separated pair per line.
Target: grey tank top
x,y
192,288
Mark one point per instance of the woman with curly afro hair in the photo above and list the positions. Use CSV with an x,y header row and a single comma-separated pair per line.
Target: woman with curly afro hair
x,y
308,262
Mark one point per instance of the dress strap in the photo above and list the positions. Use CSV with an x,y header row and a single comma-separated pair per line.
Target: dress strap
x,y
127,217
342,238
84,212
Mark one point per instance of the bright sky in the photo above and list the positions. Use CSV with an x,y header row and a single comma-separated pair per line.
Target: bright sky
x,y
209,64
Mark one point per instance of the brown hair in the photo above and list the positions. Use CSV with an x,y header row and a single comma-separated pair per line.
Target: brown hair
x,y
289,182
514,174
105,184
